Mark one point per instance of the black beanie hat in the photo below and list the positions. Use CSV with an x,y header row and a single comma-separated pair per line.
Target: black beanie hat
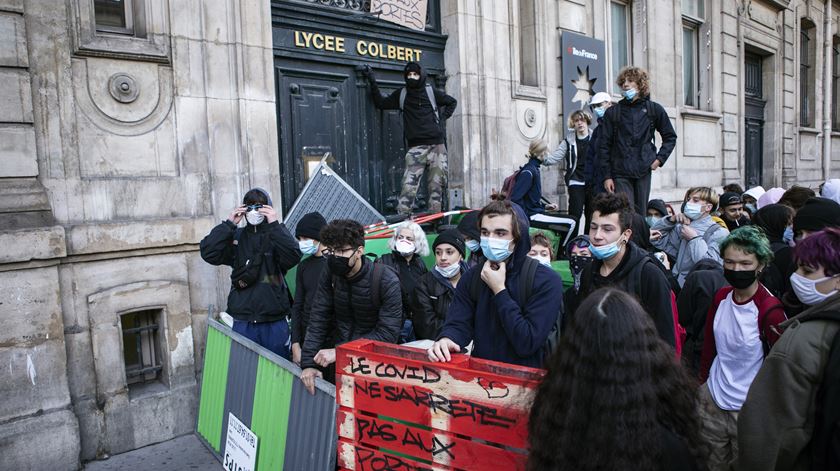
x,y
816,215
469,226
658,205
453,238
310,226
729,198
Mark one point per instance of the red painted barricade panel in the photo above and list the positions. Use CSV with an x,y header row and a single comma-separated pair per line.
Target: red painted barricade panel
x,y
431,445
459,405
357,457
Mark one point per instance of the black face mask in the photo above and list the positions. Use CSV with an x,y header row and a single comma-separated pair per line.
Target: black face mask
x,y
412,83
578,263
740,279
339,266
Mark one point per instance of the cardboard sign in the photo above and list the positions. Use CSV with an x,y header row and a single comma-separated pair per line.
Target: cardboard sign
x,y
240,453
408,13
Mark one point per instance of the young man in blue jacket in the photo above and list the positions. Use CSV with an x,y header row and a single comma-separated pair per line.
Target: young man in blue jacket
x,y
500,328
627,151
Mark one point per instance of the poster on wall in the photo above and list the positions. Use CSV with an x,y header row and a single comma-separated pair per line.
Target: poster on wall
x,y
584,71
408,13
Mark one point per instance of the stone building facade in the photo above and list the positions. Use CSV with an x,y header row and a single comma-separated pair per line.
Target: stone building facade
x,y
124,139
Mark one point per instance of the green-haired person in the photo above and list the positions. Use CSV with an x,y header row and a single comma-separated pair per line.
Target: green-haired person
x,y
740,329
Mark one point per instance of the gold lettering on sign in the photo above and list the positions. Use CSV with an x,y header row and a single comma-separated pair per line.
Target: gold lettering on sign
x,y
327,42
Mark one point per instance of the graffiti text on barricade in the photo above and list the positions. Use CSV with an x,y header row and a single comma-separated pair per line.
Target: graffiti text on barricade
x,y
423,374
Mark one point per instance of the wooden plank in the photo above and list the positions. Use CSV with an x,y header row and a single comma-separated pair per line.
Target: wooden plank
x,y
357,457
425,406
439,447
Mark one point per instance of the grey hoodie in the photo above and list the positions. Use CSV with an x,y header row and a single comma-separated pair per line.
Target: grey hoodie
x,y
688,252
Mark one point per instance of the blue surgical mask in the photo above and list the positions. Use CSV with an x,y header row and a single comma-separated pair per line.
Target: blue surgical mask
x,y
750,207
651,220
473,245
545,261
599,112
605,252
787,237
496,250
630,94
693,211
308,247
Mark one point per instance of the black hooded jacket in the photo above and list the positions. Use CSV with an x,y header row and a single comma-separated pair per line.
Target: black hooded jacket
x,y
651,288
625,148
344,311
420,125
268,299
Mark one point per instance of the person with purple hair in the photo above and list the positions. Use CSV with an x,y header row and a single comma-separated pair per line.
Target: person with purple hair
x,y
779,427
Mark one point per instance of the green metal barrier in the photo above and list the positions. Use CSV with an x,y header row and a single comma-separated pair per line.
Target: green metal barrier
x,y
296,430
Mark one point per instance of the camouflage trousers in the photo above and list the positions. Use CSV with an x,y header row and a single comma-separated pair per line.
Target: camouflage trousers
x,y
416,160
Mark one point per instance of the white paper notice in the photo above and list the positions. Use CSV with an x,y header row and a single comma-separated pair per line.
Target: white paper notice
x,y
240,453
408,13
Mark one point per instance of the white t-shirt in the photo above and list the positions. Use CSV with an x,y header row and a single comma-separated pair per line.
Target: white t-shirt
x,y
739,353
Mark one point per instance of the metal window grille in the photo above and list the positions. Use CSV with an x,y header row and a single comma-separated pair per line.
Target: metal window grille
x,y
141,346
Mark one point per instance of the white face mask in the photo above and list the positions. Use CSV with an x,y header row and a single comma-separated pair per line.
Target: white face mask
x,y
806,289
543,260
254,218
405,247
450,271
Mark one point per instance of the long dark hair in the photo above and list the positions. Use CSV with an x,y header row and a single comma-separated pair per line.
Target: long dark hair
x,y
612,385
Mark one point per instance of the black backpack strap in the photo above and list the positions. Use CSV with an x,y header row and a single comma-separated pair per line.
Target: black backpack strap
x,y
634,278
430,92
651,113
403,92
526,280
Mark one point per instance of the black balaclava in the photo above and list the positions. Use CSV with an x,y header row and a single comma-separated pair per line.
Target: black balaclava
x,y
414,67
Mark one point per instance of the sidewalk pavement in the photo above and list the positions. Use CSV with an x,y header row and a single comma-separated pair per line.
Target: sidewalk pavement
x,y
185,452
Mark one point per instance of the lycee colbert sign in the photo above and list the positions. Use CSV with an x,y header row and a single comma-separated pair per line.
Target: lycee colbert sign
x,y
316,41
584,70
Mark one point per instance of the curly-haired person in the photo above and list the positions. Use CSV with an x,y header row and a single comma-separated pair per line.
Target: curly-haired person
x,y
741,327
613,397
627,151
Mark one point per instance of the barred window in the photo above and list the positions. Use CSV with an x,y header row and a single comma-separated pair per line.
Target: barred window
x,y
806,73
141,346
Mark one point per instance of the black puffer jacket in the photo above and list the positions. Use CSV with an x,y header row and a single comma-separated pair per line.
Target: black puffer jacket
x,y
409,273
345,308
625,146
430,302
269,299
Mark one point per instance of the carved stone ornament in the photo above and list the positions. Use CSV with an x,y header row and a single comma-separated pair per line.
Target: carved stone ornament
x,y
123,88
530,117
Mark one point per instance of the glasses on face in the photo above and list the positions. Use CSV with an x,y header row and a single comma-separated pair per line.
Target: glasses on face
x,y
580,244
339,252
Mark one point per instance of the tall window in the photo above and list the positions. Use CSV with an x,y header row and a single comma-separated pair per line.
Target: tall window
x,y
806,72
693,13
114,16
620,43
528,70
835,84
141,347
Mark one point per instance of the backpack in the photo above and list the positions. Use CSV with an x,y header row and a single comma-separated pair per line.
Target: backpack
x,y
526,285
510,182
825,441
430,93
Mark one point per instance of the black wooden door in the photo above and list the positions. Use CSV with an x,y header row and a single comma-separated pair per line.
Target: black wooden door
x,y
753,121
324,102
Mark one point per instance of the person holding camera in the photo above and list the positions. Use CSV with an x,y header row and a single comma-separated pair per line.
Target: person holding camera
x,y
260,254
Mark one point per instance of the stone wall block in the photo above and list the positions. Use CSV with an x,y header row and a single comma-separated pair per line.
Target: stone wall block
x,y
17,151
33,379
32,244
49,441
15,96
13,46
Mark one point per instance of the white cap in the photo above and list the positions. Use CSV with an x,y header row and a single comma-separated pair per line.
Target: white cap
x,y
755,192
600,97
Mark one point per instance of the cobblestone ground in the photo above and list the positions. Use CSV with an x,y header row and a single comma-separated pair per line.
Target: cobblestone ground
x,y
185,452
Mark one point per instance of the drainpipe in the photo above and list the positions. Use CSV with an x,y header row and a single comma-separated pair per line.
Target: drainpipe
x,y
827,87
